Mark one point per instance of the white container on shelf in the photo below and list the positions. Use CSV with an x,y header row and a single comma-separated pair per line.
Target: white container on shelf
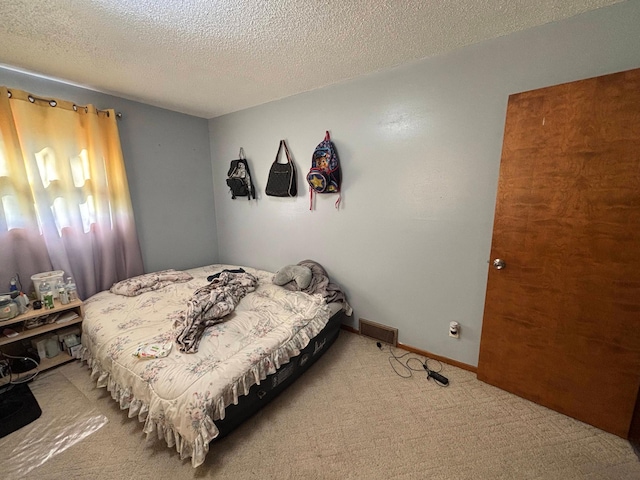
x,y
52,278
52,347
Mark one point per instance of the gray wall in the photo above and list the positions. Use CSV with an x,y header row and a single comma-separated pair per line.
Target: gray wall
x,y
420,149
168,166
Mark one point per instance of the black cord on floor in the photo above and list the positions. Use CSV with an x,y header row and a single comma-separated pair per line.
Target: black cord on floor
x,y
397,362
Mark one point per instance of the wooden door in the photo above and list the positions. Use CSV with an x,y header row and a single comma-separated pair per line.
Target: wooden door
x,y
562,320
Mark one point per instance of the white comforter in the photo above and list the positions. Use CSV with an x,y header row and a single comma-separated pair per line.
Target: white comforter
x,y
179,396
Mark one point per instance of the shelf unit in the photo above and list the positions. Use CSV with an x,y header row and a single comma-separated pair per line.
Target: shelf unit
x,y
18,325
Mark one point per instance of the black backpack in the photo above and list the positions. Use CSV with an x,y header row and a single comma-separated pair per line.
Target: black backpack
x,y
325,175
239,178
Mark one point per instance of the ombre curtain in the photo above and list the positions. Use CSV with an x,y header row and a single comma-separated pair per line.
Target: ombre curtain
x,y
64,196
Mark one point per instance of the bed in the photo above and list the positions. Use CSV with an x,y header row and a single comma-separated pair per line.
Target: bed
x,y
190,399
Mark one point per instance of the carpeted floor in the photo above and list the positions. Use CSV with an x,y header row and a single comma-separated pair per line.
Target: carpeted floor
x,y
350,417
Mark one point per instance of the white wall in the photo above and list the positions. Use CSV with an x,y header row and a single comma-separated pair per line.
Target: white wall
x,y
420,150
168,166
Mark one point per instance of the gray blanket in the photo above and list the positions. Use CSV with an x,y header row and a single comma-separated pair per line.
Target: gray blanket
x,y
321,284
210,304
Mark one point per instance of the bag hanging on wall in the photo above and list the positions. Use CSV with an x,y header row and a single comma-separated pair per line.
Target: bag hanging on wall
x,y
282,176
239,178
325,175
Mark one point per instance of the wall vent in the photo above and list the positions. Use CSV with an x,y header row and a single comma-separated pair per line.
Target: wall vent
x,y
379,332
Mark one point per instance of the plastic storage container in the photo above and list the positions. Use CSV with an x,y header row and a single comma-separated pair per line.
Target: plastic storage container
x,y
52,278
8,308
52,347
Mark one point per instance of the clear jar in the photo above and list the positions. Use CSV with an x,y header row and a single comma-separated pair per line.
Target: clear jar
x,y
63,296
47,295
70,287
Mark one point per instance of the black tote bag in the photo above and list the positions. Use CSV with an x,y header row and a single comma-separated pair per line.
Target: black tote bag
x,y
282,176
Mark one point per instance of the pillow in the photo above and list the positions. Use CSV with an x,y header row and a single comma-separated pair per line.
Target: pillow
x,y
301,275
149,281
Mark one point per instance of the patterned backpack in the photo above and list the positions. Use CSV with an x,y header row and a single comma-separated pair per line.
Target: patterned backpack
x,y
325,175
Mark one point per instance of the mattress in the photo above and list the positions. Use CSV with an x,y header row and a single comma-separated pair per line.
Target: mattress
x,y
182,397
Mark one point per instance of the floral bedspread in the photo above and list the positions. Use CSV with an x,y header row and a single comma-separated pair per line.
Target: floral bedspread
x,y
179,396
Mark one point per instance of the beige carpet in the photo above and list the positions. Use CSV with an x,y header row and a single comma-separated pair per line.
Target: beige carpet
x,y
350,416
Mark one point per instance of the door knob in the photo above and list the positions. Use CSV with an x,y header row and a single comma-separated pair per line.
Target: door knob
x,y
499,264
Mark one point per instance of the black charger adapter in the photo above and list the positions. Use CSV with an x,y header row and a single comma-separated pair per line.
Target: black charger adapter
x,y
436,376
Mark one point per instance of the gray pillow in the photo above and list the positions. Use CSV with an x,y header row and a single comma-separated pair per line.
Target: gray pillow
x,y
301,275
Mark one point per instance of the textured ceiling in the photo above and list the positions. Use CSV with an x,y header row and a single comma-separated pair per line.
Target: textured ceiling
x,y
211,57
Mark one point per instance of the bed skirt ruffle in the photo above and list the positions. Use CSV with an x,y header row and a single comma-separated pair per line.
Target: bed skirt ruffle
x,y
156,425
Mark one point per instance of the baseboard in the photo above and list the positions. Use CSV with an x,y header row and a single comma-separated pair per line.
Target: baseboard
x,y
424,353
440,358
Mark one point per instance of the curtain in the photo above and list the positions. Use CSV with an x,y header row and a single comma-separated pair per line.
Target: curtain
x,y
64,197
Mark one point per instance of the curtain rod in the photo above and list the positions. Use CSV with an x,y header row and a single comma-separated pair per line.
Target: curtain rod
x,y
53,103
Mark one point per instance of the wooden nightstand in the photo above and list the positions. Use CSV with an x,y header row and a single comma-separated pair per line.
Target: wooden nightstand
x,y
19,325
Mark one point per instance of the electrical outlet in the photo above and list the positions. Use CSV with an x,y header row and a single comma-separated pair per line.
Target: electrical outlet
x,y
454,330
